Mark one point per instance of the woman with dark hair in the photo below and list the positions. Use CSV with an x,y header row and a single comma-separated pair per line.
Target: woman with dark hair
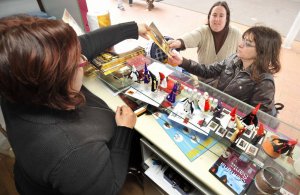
x,y
65,139
215,41
248,74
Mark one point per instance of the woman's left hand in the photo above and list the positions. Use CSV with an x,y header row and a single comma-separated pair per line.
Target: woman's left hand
x,y
175,59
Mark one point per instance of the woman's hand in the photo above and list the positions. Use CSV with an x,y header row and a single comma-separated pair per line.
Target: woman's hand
x,y
175,59
174,44
125,117
143,28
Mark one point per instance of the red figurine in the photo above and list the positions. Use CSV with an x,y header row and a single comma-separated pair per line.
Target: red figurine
x,y
232,120
259,134
206,105
251,119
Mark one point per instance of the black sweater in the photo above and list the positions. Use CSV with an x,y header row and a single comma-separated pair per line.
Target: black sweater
x,y
71,152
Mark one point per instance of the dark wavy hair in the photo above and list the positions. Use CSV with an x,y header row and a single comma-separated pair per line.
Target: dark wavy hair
x,y
38,61
225,5
268,45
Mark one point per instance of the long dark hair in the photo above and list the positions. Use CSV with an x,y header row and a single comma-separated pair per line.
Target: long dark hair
x,y
225,5
268,45
38,61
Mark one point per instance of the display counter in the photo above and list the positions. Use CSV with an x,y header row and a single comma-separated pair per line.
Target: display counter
x,y
194,144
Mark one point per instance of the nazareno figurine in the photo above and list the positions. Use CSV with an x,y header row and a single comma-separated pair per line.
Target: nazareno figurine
x,y
162,80
146,75
233,116
154,82
251,118
134,75
259,134
218,110
188,105
172,95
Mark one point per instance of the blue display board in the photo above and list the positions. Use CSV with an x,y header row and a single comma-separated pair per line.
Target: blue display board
x,y
192,143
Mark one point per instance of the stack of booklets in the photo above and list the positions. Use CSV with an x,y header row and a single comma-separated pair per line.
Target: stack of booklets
x,y
109,62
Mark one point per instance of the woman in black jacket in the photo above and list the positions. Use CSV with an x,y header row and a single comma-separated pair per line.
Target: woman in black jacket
x,y
65,139
248,74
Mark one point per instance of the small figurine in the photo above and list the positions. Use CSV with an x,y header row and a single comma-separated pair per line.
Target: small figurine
x,y
172,96
218,110
154,82
214,104
201,122
275,146
239,130
206,105
186,120
146,75
282,146
188,105
251,118
259,134
162,80
232,120
134,75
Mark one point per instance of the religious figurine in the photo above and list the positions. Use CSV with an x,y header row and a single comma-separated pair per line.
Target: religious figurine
x,y
162,80
206,105
259,134
154,82
232,119
188,105
218,110
172,95
134,75
146,75
251,118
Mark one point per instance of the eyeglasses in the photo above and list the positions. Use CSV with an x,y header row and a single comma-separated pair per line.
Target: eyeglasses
x,y
247,43
84,61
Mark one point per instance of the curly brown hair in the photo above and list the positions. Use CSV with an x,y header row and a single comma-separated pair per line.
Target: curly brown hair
x,y
38,61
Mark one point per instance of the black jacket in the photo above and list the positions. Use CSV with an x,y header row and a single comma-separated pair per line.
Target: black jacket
x,y
79,151
237,82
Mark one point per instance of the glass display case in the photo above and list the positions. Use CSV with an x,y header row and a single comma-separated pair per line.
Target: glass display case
x,y
255,152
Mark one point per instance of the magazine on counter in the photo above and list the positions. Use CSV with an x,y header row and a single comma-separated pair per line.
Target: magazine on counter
x,y
233,172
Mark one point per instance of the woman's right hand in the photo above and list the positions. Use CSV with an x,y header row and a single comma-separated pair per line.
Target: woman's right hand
x,y
125,117
174,44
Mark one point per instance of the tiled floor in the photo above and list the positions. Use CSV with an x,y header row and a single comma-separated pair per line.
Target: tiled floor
x,y
174,21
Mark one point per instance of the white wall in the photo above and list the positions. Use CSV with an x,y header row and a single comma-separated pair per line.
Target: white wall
x,y
9,7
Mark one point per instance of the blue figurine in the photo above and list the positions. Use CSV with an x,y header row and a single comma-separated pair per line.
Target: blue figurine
x,y
172,96
146,74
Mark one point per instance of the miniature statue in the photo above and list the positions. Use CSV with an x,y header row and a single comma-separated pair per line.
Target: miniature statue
x,y
275,146
134,75
259,134
239,130
172,95
282,146
146,75
232,120
188,105
162,80
251,118
206,105
154,82
218,110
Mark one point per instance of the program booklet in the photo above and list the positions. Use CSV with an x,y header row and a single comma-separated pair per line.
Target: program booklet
x,y
159,39
233,172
